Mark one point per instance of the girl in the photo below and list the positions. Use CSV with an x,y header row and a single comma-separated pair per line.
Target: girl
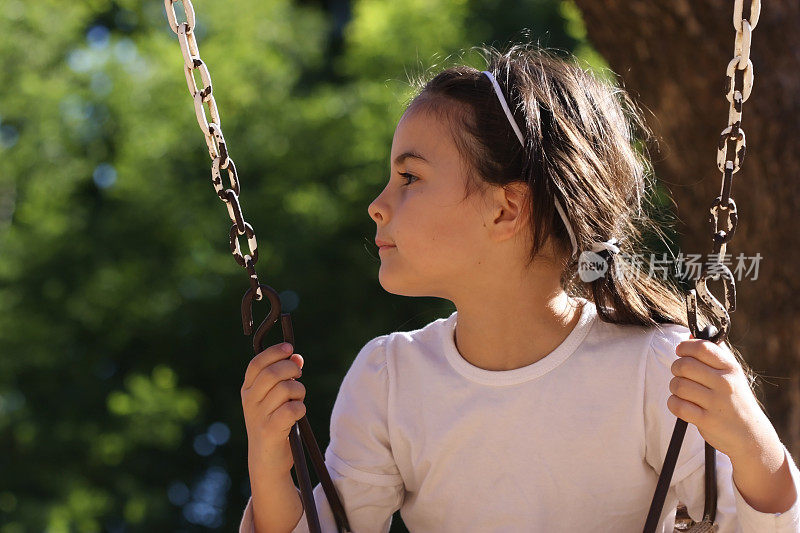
x,y
547,400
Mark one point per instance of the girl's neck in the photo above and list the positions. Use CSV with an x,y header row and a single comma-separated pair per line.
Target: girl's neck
x,y
512,332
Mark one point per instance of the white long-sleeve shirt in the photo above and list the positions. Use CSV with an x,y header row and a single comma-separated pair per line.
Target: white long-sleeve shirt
x,y
571,443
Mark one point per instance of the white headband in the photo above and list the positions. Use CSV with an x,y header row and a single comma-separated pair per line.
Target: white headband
x,y
522,142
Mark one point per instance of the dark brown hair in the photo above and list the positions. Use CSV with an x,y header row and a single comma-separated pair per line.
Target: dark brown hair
x,y
586,144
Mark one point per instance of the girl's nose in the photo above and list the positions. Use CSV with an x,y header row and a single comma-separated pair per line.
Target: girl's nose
x,y
376,211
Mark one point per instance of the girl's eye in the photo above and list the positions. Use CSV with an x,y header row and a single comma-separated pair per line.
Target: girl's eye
x,y
408,177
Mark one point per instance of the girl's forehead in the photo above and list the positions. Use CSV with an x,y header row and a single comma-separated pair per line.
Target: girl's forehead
x,y
424,133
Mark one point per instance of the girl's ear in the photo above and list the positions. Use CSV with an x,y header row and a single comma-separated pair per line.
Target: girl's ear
x,y
509,211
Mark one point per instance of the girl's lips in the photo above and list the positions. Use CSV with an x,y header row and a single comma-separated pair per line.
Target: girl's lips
x,y
386,247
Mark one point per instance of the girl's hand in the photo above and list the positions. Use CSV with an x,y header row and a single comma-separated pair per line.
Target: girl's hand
x,y
272,401
711,391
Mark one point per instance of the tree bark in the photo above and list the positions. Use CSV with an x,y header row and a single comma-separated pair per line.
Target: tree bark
x,y
672,56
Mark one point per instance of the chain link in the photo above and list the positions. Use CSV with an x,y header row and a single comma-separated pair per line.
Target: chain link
x,y
172,17
203,98
730,153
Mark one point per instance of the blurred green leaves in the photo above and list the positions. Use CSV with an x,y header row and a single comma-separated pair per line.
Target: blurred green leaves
x,y
409,31
153,409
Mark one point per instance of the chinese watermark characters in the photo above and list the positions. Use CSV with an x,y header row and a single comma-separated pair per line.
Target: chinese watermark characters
x,y
592,266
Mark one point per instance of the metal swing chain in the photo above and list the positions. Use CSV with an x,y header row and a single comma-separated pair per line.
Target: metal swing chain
x,y
730,153
301,432
215,140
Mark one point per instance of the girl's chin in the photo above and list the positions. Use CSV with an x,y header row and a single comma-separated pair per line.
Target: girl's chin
x,y
400,287
391,283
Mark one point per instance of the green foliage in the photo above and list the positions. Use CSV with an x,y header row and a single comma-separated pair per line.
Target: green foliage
x,y
121,352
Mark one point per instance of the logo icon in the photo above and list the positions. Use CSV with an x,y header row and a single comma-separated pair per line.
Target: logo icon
x,y
591,266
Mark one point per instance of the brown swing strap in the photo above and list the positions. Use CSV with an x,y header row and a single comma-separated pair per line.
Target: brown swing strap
x,y
710,508
324,477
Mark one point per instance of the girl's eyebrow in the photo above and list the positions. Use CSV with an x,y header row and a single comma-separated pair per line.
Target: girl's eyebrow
x,y
410,154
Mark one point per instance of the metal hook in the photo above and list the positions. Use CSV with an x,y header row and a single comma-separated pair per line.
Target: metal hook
x,y
272,317
720,311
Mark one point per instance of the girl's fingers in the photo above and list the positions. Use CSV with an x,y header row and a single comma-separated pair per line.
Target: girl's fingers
x,y
711,354
686,410
271,376
689,390
283,392
298,359
288,414
264,359
690,368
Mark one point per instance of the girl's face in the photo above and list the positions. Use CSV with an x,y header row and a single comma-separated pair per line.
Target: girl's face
x,y
440,239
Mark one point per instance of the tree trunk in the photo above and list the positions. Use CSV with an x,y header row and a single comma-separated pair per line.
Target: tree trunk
x,y
672,57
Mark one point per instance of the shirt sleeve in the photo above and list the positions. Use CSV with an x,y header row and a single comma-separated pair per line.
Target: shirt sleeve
x,y
359,457
734,514
786,521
